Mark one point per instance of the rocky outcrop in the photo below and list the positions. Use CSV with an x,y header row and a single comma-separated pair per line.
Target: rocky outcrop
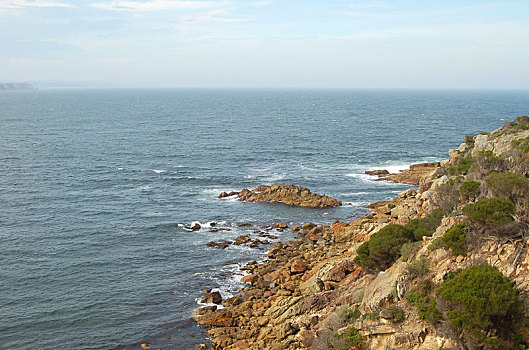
x,y
286,194
411,176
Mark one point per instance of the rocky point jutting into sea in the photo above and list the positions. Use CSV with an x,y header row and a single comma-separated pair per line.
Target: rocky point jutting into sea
x,y
442,266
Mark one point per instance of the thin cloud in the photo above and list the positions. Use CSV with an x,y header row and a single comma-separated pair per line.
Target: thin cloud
x,y
216,16
262,2
154,5
21,4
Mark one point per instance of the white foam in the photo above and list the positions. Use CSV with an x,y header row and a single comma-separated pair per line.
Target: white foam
x,y
304,167
275,177
158,171
394,169
215,191
356,203
354,193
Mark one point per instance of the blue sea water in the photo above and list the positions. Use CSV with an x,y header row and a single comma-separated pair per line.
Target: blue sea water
x,y
97,187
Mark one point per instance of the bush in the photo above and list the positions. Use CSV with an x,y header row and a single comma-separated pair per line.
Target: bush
x,y
397,314
509,185
448,196
419,267
353,314
481,299
352,337
409,249
494,211
454,239
426,226
462,166
426,306
469,188
383,249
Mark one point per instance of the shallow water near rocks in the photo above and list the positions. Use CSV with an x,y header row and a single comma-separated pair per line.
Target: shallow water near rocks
x,y
98,187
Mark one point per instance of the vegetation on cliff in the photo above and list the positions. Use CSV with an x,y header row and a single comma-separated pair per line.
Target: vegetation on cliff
x,y
481,299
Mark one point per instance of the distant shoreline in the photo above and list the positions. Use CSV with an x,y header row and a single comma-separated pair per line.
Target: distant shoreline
x,y
16,87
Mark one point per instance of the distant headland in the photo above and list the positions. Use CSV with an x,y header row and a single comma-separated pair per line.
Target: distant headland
x,y
15,86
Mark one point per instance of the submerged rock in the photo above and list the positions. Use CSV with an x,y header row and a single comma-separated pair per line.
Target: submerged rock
x,y
377,172
220,245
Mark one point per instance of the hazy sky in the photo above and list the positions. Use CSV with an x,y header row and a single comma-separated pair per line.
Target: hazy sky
x,y
230,43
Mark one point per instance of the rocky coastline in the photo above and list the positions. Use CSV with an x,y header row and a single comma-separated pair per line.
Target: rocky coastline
x,y
315,293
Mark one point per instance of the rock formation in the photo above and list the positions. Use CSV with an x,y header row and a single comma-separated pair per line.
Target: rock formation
x,y
286,194
409,176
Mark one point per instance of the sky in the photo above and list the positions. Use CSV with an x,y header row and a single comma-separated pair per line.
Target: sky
x,y
266,43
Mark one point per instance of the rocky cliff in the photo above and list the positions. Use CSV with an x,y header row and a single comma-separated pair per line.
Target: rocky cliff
x,y
441,267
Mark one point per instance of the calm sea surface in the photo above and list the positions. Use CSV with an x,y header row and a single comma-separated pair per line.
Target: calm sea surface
x,y
97,187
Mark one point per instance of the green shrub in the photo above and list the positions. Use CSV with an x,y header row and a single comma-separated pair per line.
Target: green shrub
x,y
509,185
383,249
397,314
419,267
426,226
481,299
469,188
520,123
426,306
373,316
463,165
352,336
353,314
494,211
454,239
409,249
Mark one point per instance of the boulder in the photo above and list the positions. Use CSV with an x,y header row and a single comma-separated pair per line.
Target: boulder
x,y
242,239
298,266
377,172
227,194
250,279
280,225
212,298
219,245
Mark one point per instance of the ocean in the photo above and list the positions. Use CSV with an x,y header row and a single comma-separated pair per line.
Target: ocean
x,y
97,188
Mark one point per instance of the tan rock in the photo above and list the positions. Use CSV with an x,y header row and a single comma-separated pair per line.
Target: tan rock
x,y
250,279
298,266
213,297
288,194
